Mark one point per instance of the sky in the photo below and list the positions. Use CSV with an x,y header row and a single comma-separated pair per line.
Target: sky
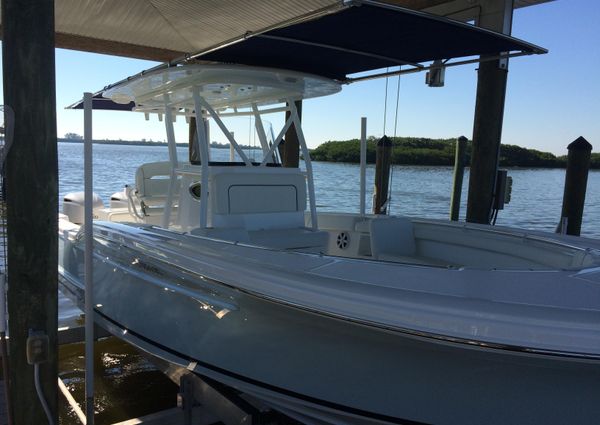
x,y
551,99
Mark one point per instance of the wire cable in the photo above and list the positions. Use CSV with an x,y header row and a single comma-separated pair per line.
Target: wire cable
x,y
38,389
385,101
395,128
397,102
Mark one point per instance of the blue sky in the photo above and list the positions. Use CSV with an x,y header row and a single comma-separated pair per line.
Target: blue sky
x,y
551,99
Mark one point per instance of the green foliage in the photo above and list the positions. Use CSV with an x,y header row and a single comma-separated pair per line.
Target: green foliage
x,y
594,161
423,151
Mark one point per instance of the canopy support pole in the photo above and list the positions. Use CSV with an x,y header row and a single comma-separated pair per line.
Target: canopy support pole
x,y
166,218
88,257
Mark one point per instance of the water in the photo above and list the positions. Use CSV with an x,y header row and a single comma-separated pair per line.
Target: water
x,y
417,191
126,382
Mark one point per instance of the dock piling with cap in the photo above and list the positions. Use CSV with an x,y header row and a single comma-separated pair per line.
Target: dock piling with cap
x,y
578,165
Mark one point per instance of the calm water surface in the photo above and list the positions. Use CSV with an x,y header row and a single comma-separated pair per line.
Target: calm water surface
x,y
126,383
417,191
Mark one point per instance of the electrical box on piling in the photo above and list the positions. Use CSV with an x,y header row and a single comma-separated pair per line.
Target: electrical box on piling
x,y
503,189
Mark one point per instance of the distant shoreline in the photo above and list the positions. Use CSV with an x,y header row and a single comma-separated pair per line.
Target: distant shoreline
x,y
432,152
147,143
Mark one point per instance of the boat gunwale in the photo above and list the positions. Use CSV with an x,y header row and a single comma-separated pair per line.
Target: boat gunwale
x,y
413,333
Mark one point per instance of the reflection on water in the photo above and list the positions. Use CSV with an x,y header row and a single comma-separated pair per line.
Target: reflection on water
x,y
126,384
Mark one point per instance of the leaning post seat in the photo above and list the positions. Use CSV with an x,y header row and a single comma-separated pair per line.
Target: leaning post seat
x,y
257,198
152,182
261,205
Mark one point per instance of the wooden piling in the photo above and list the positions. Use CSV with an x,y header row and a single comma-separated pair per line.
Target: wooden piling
x,y
578,165
383,161
291,147
31,200
489,114
487,133
460,157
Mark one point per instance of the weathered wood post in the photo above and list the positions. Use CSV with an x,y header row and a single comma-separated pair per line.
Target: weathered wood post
x,y
578,165
31,200
489,113
291,147
383,160
460,157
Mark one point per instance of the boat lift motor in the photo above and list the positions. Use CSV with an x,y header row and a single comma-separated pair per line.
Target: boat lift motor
x,y
436,74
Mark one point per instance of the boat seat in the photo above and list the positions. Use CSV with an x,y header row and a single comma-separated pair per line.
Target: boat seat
x,y
257,198
393,239
392,236
152,187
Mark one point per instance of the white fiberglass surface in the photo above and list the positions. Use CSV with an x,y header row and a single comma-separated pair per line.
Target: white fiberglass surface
x,y
222,86
560,309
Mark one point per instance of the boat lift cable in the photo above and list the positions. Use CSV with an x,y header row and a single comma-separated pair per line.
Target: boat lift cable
x,y
385,102
395,129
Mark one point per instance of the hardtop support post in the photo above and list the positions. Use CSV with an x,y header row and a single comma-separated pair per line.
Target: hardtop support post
x,y
203,146
309,171
166,218
260,129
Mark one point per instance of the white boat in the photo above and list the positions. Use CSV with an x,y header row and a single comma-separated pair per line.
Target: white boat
x,y
228,270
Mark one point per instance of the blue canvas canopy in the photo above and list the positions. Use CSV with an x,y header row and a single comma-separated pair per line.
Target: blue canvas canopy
x,y
365,36
360,36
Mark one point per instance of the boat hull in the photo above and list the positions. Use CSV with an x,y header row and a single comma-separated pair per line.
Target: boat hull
x,y
317,365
